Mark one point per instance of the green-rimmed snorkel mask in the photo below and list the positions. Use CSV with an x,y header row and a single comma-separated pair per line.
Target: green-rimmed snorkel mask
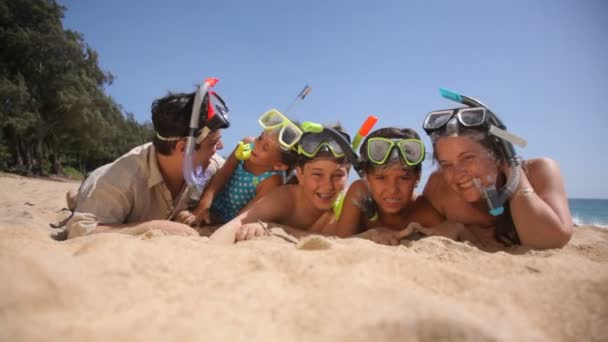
x,y
288,132
380,151
479,117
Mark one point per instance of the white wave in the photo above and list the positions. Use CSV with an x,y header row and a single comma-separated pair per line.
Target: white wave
x,y
585,222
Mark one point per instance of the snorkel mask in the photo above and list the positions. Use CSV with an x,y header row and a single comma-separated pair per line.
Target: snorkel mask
x,y
381,151
317,138
478,116
288,133
216,117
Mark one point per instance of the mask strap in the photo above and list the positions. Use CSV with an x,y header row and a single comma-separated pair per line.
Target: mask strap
x,y
203,134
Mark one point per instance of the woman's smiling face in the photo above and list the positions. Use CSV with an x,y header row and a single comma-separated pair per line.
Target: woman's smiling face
x,y
462,159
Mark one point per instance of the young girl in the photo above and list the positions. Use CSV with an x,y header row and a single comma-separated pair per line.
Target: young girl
x,y
385,200
322,173
482,183
242,182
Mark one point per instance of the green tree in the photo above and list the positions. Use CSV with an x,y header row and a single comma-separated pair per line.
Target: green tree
x,y
54,107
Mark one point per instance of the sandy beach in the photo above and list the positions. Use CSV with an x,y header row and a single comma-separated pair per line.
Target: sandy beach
x,y
154,287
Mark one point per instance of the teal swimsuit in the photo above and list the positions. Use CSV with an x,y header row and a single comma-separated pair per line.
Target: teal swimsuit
x,y
239,191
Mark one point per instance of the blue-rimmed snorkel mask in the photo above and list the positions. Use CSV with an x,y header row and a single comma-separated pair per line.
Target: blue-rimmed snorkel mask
x,y
478,116
209,104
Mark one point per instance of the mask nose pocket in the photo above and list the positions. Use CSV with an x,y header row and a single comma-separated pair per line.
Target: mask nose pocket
x,y
452,127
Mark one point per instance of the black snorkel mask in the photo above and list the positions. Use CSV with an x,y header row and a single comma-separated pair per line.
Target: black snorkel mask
x,y
317,138
478,116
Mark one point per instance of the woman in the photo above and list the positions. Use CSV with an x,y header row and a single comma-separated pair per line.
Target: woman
x,y
482,183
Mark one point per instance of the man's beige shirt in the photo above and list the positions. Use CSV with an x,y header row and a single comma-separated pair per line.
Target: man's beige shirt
x,y
131,189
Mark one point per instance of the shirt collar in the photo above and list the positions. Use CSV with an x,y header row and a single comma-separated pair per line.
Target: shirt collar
x,y
155,176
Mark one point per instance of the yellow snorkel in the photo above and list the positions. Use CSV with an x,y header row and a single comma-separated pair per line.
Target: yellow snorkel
x,y
363,131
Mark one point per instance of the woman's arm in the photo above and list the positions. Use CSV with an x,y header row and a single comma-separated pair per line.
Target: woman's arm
x,y
539,206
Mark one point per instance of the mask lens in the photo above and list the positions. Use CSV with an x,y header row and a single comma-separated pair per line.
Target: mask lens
x,y
290,135
217,115
311,142
218,105
472,117
413,150
271,119
437,119
335,147
377,150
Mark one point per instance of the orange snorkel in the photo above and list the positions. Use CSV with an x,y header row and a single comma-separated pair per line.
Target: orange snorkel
x,y
364,131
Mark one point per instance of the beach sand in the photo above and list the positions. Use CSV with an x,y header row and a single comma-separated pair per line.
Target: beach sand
x,y
111,287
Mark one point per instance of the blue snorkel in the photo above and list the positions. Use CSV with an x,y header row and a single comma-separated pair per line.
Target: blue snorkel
x,y
494,197
198,178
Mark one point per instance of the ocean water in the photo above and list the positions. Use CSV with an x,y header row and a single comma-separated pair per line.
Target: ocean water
x,y
587,212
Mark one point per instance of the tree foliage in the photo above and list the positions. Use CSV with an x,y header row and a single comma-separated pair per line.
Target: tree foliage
x,y
53,107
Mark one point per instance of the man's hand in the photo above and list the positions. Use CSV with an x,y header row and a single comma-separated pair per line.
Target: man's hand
x,y
249,231
186,218
201,213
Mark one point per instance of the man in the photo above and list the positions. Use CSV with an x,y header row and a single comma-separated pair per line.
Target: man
x,y
145,188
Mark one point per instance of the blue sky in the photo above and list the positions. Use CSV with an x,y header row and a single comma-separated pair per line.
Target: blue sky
x,y
541,65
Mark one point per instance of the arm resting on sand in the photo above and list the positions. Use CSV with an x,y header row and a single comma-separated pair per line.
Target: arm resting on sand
x,y
137,228
271,208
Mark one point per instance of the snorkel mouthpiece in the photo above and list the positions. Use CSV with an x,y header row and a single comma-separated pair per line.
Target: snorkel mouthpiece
x,y
495,198
196,180
243,150
492,197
